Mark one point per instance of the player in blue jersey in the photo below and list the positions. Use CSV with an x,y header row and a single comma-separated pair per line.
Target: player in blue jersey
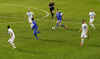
x,y
35,28
59,18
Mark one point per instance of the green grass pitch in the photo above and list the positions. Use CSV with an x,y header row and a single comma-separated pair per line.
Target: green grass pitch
x,y
53,44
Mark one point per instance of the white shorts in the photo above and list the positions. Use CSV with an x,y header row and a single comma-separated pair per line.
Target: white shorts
x,y
11,39
83,35
91,20
30,20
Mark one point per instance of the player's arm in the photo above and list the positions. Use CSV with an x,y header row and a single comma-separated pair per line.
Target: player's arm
x,y
80,30
11,34
6,33
32,26
63,15
88,15
49,6
55,16
25,16
54,5
95,15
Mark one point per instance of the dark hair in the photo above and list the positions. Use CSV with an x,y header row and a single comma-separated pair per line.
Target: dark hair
x,y
32,19
83,20
8,26
57,9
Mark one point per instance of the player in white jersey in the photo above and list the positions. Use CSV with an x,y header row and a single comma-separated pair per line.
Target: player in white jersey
x,y
30,16
92,15
12,37
84,30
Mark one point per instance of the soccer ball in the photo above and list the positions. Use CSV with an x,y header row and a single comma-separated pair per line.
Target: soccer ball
x,y
53,28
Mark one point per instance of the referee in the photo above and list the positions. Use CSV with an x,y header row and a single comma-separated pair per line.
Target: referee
x,y
51,6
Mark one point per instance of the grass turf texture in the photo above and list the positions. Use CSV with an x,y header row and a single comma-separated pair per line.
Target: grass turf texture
x,y
53,44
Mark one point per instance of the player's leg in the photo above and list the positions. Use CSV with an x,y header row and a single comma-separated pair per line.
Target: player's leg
x,y
30,22
52,13
35,32
82,39
62,25
57,24
85,36
91,23
10,41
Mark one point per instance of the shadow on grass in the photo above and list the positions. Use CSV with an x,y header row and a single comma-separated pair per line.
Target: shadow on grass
x,y
95,45
28,51
71,29
57,41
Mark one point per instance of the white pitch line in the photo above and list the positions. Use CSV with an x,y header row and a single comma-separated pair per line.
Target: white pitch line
x,y
35,19
47,14
11,17
45,21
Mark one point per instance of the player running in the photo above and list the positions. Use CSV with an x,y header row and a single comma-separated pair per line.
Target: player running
x,y
35,28
12,37
84,30
30,16
59,18
92,15
51,6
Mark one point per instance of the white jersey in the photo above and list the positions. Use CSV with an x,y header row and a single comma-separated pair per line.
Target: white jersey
x,y
84,28
11,31
29,14
92,14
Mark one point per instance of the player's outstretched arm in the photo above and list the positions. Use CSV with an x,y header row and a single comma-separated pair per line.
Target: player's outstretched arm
x,y
48,6
80,30
6,33
94,15
25,16
55,16
54,5
63,15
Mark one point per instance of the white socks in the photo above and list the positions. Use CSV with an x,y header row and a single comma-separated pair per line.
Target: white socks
x,y
12,44
82,41
31,25
92,25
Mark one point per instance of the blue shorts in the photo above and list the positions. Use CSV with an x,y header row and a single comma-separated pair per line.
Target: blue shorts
x,y
59,20
35,30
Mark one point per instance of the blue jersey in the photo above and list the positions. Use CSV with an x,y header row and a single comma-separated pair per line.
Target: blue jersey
x,y
59,16
34,24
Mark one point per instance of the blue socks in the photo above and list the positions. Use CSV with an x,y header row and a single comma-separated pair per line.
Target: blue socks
x,y
57,25
62,25
35,35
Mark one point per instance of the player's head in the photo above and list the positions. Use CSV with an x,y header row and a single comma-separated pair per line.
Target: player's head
x,y
51,1
28,10
91,10
32,19
57,10
83,21
8,26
